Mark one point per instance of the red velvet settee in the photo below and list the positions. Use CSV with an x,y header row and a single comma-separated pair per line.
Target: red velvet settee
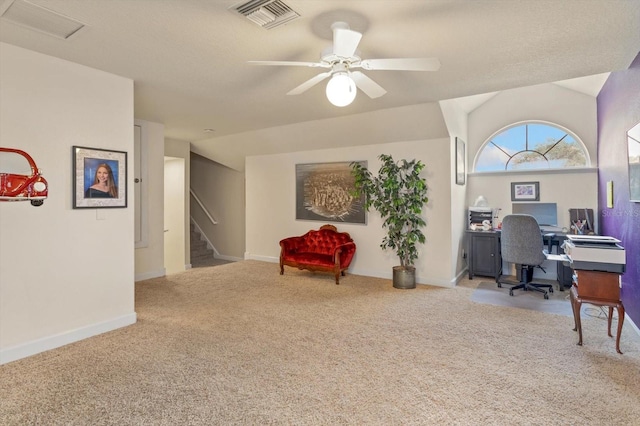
x,y
325,250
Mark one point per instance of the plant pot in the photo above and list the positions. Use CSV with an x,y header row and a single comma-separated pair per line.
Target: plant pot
x,y
404,277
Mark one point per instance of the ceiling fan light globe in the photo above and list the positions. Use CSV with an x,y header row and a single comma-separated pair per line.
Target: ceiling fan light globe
x,y
341,90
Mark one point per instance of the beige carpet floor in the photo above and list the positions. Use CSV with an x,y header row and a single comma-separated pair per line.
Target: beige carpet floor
x,y
557,303
238,344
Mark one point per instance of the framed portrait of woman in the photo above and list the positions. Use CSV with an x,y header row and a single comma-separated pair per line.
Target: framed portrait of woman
x,y
99,178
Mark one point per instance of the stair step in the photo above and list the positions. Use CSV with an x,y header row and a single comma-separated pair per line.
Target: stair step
x,y
202,257
199,250
198,244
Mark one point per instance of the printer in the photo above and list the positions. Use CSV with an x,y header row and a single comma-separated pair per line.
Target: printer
x,y
595,253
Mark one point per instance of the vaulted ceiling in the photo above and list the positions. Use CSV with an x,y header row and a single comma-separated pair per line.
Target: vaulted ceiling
x,y
189,58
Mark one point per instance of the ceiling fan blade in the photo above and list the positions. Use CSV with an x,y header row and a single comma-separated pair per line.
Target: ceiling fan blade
x,y
402,64
309,83
345,42
368,86
291,63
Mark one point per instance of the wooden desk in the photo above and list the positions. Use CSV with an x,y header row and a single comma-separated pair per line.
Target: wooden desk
x,y
484,257
600,289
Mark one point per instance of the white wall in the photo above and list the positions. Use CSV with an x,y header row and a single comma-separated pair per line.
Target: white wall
x,y
407,123
182,149
270,209
456,119
569,188
174,215
65,274
149,260
547,102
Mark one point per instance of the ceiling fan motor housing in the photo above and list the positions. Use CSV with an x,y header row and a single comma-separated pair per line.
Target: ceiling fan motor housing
x,y
330,58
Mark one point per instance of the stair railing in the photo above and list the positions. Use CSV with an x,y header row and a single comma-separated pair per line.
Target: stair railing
x,y
204,209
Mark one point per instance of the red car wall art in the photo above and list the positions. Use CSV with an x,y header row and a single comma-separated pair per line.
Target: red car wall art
x,y
20,178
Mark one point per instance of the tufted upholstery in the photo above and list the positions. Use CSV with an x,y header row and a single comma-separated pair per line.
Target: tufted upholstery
x,y
325,250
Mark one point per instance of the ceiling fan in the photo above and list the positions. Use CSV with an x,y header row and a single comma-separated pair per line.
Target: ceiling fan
x,y
342,61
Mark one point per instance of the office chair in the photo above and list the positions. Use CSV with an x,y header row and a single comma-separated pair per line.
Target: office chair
x,y
521,243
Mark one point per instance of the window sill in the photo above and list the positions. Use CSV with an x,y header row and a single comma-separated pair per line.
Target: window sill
x,y
536,172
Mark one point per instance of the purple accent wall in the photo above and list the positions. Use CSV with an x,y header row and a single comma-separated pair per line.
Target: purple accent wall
x,y
619,111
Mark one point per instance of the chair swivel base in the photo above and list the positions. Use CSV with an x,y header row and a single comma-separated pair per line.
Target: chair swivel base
x,y
528,287
533,287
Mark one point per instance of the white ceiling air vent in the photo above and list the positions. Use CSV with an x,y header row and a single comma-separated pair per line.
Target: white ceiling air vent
x,y
267,13
41,19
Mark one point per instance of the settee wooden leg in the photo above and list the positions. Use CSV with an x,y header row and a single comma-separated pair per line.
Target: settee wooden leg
x,y
337,278
281,269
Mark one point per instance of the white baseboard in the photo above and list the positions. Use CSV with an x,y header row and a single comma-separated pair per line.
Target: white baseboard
x,y
270,259
229,258
367,273
150,274
629,321
460,276
389,276
51,342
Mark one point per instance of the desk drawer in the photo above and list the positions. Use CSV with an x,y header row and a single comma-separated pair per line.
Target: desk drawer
x,y
597,285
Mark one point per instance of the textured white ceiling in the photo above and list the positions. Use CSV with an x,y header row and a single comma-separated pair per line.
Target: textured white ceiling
x,y
188,58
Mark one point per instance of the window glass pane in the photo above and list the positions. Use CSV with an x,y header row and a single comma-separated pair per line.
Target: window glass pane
x,y
12,162
567,153
511,140
527,160
542,137
491,158
531,146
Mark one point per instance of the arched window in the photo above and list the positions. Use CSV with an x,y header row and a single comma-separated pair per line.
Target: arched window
x,y
531,145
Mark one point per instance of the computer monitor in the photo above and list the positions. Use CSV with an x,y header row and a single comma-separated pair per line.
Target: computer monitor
x,y
545,213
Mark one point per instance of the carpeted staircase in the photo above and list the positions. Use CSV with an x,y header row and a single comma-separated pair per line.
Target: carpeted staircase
x,y
200,253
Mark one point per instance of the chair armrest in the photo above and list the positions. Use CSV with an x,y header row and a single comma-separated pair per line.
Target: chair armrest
x,y
291,244
343,254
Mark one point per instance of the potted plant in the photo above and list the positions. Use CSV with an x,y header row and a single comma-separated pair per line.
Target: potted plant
x,y
398,194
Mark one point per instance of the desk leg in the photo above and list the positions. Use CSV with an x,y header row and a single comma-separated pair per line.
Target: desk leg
x,y
620,322
576,304
609,321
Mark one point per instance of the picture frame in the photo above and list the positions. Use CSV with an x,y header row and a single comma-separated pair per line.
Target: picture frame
x,y
324,193
99,178
461,172
525,191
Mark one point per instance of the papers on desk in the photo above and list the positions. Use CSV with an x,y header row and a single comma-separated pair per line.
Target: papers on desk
x,y
557,257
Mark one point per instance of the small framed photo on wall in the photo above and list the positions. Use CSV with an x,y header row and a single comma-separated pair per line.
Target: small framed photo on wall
x,y
525,191
99,178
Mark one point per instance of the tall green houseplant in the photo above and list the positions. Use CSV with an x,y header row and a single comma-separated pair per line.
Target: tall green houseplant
x,y
398,194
